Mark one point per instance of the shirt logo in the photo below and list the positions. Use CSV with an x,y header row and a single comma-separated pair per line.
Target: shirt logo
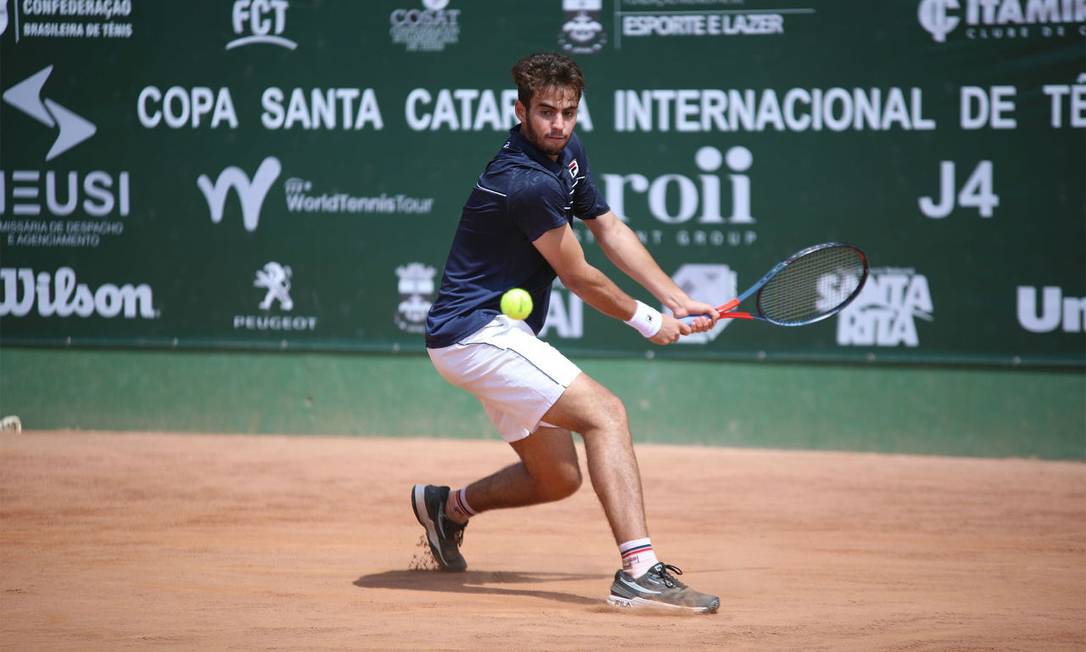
x,y
573,169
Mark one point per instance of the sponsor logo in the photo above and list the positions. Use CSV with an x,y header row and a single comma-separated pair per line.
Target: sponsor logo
x,y
711,284
275,279
681,200
60,295
565,314
582,32
1002,19
69,19
425,30
73,128
416,286
251,192
1055,312
300,196
886,310
689,22
260,22
573,168
33,195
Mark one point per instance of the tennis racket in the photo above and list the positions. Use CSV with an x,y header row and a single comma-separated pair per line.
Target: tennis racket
x,y
811,285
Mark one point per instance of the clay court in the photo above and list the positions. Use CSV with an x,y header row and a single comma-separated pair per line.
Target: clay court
x,y
138,541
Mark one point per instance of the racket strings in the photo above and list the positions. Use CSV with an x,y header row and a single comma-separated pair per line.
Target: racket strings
x,y
812,286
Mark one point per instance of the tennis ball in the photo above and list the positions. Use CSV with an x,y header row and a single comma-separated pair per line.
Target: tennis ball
x,y
517,303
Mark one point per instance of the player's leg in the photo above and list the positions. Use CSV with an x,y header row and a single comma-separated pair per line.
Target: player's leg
x,y
592,410
547,471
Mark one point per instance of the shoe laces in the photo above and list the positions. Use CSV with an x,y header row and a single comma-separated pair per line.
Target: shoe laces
x,y
663,571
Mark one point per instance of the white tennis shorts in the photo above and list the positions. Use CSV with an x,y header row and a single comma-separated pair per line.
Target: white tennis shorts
x,y
515,375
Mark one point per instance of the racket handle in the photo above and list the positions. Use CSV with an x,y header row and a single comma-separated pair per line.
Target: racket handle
x,y
688,320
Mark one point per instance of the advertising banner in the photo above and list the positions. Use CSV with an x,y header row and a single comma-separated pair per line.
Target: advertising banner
x,y
289,174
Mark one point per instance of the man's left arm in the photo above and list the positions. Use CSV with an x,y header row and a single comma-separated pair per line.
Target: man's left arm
x,y
624,249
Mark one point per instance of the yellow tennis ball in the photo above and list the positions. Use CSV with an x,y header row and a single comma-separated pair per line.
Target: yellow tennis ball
x,y
517,303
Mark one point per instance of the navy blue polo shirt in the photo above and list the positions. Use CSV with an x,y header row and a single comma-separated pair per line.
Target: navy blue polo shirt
x,y
521,195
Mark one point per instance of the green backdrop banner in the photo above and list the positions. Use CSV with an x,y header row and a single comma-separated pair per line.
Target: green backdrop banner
x,y
265,173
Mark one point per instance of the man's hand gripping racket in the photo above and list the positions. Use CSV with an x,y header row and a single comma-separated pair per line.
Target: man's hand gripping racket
x,y
809,286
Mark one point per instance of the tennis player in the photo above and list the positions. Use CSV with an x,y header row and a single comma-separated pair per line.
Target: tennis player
x,y
514,231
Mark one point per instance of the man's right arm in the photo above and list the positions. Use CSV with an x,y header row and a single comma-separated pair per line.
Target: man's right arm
x,y
559,246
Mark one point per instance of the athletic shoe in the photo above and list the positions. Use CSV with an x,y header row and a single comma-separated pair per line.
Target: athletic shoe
x,y
444,534
659,588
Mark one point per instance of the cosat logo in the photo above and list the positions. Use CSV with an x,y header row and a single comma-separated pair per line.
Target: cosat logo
x,y
708,283
60,295
996,19
885,312
275,279
26,96
260,21
416,286
251,193
1056,311
582,32
425,30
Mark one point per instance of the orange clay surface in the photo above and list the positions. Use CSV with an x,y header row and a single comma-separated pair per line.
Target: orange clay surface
x,y
153,541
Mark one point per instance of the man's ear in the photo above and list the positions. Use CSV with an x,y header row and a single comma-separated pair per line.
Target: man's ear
x,y
520,110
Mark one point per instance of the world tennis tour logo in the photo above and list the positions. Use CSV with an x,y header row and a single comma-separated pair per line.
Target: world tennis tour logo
x,y
251,192
885,312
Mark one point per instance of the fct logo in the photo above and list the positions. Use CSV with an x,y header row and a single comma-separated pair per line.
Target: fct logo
x,y
260,21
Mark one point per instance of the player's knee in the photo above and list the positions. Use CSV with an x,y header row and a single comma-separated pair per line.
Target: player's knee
x,y
563,483
612,413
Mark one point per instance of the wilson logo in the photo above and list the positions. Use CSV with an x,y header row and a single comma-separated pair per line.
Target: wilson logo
x,y
251,193
60,295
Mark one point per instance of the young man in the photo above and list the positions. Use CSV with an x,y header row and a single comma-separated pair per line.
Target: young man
x,y
514,231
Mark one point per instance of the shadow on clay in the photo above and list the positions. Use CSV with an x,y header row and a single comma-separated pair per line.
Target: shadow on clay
x,y
480,582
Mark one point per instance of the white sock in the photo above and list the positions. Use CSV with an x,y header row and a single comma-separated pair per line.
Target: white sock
x,y
637,557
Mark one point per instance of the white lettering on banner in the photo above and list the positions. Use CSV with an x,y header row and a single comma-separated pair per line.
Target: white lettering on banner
x,y
885,312
797,109
470,109
703,25
354,108
425,30
976,193
987,107
254,21
565,315
59,294
1076,99
1056,311
85,13
179,107
99,198
275,279
998,18
704,194
300,200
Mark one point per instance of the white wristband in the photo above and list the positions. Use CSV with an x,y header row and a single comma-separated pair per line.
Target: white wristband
x,y
646,320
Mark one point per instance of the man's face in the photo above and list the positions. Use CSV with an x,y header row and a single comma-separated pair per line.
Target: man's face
x,y
548,122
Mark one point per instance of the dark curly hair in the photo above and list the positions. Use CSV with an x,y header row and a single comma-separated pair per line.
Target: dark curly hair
x,y
543,70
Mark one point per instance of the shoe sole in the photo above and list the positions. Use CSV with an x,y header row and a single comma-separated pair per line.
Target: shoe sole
x,y
422,515
641,603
